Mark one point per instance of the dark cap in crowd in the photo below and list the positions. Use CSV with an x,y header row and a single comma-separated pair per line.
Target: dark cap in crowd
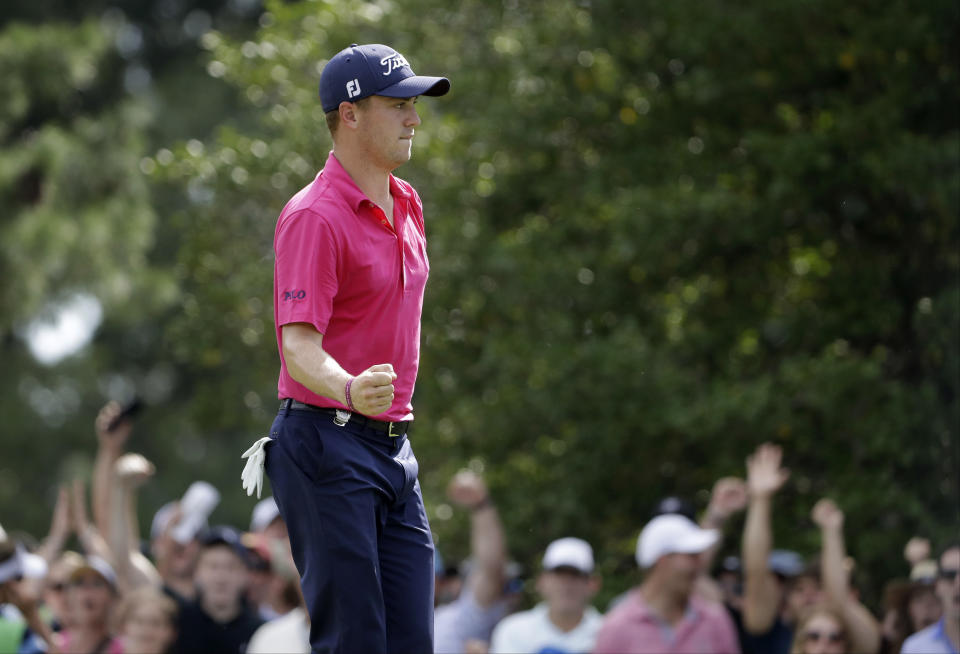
x,y
674,505
786,563
360,71
224,535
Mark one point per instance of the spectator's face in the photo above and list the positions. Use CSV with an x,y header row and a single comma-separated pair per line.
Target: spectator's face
x,y
948,583
89,598
221,575
680,572
147,629
823,635
175,559
446,589
923,608
567,590
802,593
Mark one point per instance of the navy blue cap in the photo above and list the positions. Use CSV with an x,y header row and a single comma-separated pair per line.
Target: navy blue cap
x,y
674,505
224,535
360,71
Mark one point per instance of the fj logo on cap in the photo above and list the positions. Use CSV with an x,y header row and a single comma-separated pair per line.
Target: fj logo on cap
x,y
353,88
393,62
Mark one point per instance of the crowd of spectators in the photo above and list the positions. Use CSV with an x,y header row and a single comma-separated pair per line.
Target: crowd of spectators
x,y
197,587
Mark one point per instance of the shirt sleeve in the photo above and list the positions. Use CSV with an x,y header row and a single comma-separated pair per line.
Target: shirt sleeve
x,y
307,267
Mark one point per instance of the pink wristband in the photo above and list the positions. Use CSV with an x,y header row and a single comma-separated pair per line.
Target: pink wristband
x,y
346,392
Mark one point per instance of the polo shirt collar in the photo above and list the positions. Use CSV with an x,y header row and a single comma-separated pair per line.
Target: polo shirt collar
x,y
340,180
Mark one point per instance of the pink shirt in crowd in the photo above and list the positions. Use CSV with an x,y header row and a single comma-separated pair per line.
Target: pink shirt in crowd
x,y
632,628
342,268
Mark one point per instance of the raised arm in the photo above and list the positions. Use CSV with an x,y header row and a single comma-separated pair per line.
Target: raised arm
x,y
110,445
761,594
862,628
133,569
371,392
488,546
89,536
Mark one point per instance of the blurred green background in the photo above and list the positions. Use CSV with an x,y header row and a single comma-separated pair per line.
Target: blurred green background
x,y
660,234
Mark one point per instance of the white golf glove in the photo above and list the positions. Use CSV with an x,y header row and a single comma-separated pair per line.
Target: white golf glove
x,y
252,475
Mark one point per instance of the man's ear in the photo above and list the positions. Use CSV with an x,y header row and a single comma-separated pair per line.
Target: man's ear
x,y
348,114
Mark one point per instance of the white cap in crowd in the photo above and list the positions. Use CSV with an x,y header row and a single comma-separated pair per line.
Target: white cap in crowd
x,y
264,512
196,506
22,564
569,553
672,534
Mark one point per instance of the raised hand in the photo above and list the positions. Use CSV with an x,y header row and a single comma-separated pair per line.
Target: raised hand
x,y
112,439
467,489
916,550
729,496
372,390
827,515
764,474
133,470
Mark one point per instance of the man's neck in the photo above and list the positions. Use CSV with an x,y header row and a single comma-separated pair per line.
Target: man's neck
x,y
373,181
565,621
669,607
951,627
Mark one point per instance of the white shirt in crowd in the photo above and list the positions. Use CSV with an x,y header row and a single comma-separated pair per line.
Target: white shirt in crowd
x,y
532,632
288,634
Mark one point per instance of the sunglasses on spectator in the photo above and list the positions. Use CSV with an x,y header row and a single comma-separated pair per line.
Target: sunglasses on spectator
x,y
949,573
830,636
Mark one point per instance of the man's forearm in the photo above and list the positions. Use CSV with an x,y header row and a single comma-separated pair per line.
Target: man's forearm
x,y
489,550
759,596
757,535
309,364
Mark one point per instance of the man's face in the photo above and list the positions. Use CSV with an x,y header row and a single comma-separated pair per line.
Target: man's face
x,y
802,593
566,590
385,130
948,583
221,575
680,571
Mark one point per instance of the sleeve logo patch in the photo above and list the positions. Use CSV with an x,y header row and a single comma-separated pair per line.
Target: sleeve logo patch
x,y
294,295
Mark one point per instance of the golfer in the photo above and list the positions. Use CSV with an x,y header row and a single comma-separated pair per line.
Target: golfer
x,y
351,266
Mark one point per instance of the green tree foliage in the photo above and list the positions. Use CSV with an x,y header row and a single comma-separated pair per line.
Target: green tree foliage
x,y
660,234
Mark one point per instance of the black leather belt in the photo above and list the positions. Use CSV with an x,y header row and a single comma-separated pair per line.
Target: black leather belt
x,y
392,429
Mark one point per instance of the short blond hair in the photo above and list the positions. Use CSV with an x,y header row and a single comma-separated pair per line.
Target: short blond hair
x,y
333,117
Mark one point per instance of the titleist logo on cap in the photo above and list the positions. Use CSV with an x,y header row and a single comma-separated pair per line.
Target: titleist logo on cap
x,y
393,62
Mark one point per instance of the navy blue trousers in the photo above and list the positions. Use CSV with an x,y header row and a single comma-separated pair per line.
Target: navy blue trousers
x,y
359,533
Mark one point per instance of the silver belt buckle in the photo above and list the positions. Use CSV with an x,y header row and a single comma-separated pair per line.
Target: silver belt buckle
x,y
341,418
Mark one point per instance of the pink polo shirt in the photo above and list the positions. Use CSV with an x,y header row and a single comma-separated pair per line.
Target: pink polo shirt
x,y
632,628
342,268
